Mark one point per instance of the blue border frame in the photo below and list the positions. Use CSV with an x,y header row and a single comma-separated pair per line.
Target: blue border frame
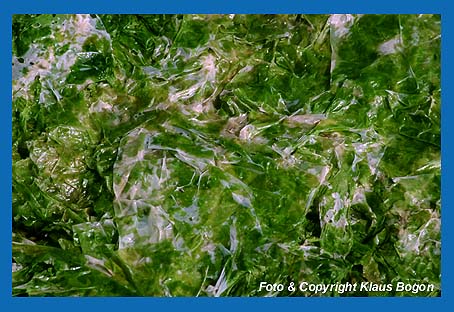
x,y
225,6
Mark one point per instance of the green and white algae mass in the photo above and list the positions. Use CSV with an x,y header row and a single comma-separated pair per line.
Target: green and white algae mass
x,y
200,155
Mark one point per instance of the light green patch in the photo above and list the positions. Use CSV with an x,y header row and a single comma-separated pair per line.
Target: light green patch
x,y
200,155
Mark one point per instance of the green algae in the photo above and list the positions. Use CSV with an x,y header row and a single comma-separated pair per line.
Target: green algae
x,y
200,155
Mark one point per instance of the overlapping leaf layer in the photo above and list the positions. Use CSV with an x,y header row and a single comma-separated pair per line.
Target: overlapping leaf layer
x,y
199,155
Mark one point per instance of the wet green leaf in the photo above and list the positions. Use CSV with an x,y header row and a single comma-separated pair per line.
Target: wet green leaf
x,y
200,155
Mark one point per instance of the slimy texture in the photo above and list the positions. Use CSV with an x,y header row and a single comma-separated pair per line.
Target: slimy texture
x,y
206,155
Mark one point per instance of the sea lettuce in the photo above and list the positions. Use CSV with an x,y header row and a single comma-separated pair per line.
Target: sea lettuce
x,y
200,155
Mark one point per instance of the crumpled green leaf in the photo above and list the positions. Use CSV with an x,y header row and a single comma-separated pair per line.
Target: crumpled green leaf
x,y
200,155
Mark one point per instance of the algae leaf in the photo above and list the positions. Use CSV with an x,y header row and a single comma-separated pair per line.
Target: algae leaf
x,y
200,155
